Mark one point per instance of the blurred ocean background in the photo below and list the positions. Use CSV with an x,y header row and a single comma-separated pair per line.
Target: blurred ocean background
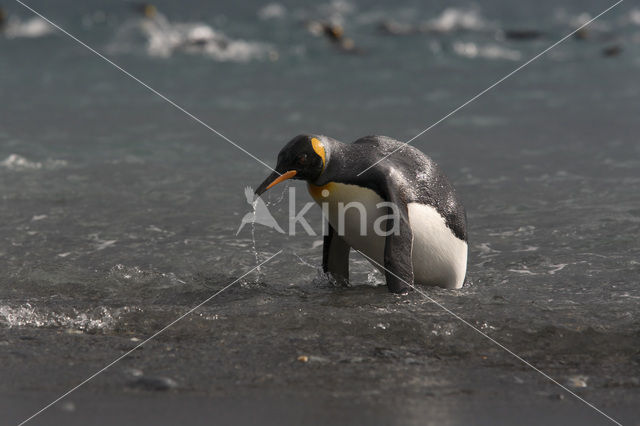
x,y
119,212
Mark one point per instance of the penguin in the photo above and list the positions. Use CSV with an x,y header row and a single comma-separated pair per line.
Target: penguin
x,y
613,50
418,237
147,10
3,18
335,34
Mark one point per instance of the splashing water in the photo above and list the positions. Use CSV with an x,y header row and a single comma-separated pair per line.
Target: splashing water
x,y
26,315
255,249
254,205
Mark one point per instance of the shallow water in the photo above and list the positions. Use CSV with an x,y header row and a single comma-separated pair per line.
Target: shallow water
x,y
120,213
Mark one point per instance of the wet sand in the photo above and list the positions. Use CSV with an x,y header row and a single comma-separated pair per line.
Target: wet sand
x,y
245,367
172,409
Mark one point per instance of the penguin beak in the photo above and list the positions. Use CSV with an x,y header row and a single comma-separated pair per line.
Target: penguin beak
x,y
274,179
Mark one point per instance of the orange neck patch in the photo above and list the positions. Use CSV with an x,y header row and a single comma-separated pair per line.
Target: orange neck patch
x,y
316,191
319,149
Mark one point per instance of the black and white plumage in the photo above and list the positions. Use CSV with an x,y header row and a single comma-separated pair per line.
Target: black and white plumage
x,y
430,245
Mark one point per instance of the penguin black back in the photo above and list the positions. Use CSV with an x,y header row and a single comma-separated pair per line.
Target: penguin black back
x,y
416,176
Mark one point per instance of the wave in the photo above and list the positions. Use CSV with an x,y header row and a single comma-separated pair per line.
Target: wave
x,y
20,163
633,17
336,11
452,19
272,11
160,38
29,28
489,51
574,21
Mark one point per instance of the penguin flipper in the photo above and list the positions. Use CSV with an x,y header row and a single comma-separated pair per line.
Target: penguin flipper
x,y
335,257
398,246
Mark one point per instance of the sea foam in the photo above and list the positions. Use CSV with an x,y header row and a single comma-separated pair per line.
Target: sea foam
x,y
20,163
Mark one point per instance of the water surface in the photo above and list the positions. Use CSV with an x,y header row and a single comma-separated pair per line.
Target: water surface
x,y
119,213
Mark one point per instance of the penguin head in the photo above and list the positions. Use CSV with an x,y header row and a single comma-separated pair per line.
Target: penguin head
x,y
147,10
304,158
333,32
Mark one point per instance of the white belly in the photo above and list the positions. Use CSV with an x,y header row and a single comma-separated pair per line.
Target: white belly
x,y
438,256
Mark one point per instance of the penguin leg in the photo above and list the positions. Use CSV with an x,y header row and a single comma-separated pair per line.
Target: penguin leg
x,y
398,249
335,257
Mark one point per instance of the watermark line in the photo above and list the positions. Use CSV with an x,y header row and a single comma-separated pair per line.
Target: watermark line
x,y
500,345
145,341
493,85
260,214
151,89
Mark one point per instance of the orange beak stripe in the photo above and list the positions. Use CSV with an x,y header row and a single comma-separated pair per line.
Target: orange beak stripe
x,y
283,177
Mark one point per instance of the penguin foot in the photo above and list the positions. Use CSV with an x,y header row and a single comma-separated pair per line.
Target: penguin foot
x,y
399,288
337,280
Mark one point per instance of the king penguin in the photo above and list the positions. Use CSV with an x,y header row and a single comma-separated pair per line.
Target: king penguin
x,y
3,18
424,239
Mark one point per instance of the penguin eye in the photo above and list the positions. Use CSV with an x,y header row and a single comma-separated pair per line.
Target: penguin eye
x,y
302,159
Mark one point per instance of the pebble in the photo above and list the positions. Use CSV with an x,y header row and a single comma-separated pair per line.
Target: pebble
x,y
68,406
313,358
577,381
153,383
135,372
